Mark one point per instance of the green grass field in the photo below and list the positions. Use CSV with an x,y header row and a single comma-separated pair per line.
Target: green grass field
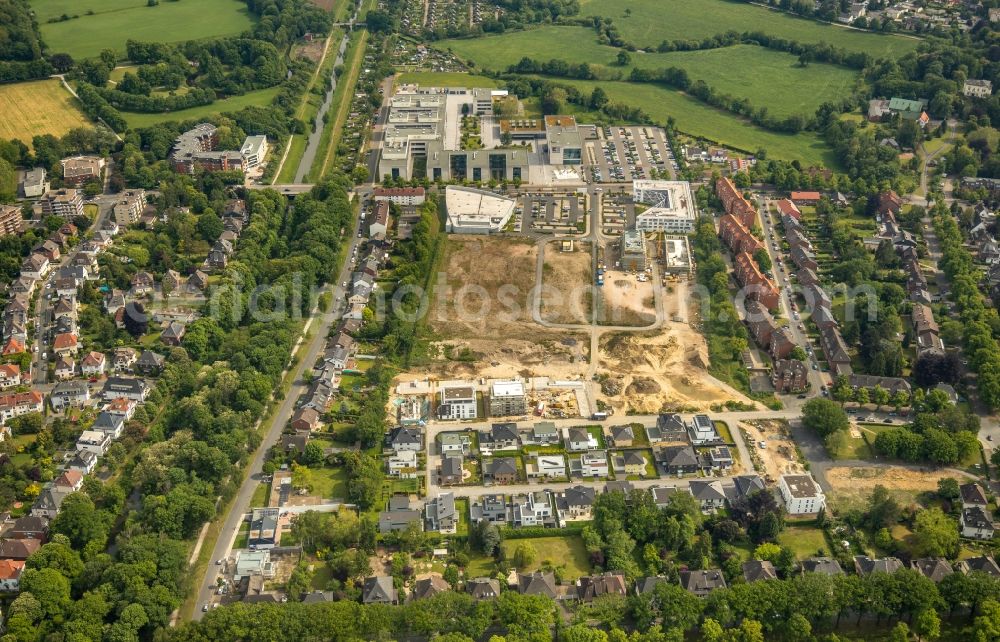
x,y
767,78
258,98
326,483
701,121
651,21
567,551
804,541
444,79
112,22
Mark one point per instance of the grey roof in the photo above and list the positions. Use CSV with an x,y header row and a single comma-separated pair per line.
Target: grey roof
x,y
404,436
866,565
483,588
503,465
756,570
622,433
537,584
647,584
984,564
934,568
451,465
703,580
378,589
429,587
318,596
580,496
747,484
578,434
679,456
705,491
825,565
977,517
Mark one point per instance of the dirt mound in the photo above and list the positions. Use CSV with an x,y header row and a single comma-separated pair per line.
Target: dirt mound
x,y
643,386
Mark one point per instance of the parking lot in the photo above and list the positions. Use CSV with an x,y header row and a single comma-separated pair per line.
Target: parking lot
x,y
624,154
551,213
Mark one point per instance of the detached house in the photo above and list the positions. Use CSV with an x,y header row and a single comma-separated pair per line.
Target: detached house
x,y
702,582
92,365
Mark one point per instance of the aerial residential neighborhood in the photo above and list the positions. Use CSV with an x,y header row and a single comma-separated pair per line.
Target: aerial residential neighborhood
x,y
490,320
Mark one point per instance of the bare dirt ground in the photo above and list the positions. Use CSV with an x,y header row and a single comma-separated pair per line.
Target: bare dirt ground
x,y
310,50
778,456
499,338
566,281
656,371
627,301
852,485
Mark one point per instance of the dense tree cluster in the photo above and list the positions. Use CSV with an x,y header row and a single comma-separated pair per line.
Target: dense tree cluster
x,y
980,322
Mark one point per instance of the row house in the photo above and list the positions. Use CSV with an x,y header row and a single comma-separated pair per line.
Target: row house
x,y
20,403
789,376
737,237
734,203
777,340
759,287
835,350
786,207
925,329
892,385
803,258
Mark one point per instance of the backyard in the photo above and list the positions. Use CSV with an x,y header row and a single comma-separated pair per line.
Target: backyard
x,y
566,551
805,541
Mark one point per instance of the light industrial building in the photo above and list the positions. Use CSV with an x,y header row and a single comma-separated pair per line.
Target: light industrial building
x,y
422,138
670,206
507,398
472,211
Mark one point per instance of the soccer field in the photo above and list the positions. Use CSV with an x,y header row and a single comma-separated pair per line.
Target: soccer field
x,y
34,108
766,78
649,22
111,22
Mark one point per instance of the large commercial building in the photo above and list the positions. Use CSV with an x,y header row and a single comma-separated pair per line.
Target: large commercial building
x,y
670,206
422,137
472,211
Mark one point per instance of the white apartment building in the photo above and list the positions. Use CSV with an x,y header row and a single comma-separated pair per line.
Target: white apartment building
x,y
802,495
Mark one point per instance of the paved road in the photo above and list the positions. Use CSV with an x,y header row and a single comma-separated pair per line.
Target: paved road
x,y
43,306
783,274
312,145
241,505
433,429
378,127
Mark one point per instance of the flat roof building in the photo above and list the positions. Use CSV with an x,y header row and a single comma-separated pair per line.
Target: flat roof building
x,y
507,398
671,207
633,251
254,150
472,211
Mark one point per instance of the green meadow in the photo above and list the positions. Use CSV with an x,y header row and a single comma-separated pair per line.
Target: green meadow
x,y
107,24
257,98
646,23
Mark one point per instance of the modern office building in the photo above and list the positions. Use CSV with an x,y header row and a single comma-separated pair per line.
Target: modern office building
x,y
563,140
472,211
670,207
254,150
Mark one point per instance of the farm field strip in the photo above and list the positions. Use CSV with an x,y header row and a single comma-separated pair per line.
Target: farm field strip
x,y
29,109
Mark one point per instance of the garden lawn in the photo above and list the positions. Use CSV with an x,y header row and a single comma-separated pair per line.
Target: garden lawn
x,y
567,551
767,78
326,483
805,541
649,22
444,79
112,22
701,121
258,98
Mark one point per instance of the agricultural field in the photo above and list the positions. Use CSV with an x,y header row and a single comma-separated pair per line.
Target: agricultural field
x,y
259,98
642,23
444,79
34,108
101,24
702,121
768,78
